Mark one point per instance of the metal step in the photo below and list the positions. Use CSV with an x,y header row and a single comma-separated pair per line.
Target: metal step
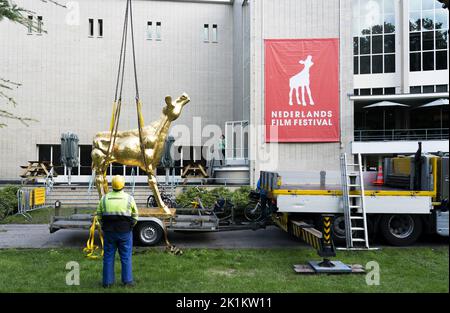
x,y
358,240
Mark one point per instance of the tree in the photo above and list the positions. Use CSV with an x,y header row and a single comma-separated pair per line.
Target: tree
x,y
16,14
444,3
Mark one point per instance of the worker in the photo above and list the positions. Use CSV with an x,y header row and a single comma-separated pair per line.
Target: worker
x,y
117,214
222,149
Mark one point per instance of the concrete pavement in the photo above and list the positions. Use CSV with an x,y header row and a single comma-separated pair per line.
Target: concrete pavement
x,y
38,236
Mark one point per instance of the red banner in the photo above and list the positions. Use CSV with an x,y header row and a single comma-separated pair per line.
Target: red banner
x,y
302,90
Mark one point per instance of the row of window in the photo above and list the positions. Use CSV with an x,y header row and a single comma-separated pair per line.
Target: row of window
x,y
374,36
428,61
428,89
373,17
391,90
149,32
99,27
375,64
428,36
374,91
153,31
32,25
182,155
206,33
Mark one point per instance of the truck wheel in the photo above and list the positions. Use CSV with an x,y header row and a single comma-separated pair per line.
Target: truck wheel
x,y
401,229
338,230
149,233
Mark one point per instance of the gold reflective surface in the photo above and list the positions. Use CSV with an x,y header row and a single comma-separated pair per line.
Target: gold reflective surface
x,y
127,148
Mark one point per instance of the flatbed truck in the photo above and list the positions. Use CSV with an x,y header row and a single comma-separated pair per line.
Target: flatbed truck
x,y
400,215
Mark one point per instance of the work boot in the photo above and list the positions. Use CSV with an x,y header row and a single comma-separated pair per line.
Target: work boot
x,y
107,286
129,285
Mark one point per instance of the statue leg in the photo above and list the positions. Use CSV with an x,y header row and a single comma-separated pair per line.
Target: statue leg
x,y
98,162
154,187
99,183
105,181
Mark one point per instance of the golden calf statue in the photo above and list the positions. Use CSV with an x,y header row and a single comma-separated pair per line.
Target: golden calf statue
x,y
127,148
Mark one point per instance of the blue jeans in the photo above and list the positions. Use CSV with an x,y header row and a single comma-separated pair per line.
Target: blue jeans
x,y
124,243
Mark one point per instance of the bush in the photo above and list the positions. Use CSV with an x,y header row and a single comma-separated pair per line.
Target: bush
x,y
8,200
239,198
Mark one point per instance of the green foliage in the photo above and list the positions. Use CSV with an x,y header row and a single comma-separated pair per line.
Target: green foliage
x,y
8,200
239,198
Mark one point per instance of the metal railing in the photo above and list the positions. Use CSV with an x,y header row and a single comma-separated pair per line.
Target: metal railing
x,y
402,134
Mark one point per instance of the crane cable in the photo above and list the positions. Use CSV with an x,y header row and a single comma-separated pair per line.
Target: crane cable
x,y
91,248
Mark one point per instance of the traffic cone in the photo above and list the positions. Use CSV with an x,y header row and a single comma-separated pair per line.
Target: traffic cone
x,y
380,180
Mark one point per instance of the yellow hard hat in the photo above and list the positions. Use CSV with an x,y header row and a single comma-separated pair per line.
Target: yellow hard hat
x,y
118,182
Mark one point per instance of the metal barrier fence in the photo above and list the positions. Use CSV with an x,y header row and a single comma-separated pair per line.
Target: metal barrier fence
x,y
30,199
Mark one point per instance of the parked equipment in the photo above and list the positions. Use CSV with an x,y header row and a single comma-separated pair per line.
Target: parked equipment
x,y
399,215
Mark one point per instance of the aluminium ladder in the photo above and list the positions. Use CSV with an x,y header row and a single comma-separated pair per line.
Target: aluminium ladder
x,y
354,204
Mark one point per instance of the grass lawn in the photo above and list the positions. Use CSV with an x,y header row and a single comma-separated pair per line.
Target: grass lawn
x,y
247,270
40,216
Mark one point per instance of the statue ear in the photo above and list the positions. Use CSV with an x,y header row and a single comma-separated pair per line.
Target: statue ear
x,y
169,101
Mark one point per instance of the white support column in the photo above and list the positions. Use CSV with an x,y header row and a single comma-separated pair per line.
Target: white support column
x,y
402,57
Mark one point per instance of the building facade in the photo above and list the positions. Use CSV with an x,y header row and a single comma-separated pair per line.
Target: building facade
x,y
400,50
389,50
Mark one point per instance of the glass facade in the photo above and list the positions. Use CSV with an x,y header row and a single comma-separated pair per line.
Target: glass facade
x,y
374,36
428,36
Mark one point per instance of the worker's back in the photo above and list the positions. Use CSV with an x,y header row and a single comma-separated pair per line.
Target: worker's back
x,y
118,211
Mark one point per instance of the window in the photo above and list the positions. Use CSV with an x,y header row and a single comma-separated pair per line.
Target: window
x,y
428,89
51,153
364,92
374,91
214,33
441,88
377,91
149,32
158,30
373,36
30,24
389,91
85,159
428,36
206,32
39,24
415,89
100,28
91,27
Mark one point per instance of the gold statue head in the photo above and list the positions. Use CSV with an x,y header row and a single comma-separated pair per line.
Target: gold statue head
x,y
173,109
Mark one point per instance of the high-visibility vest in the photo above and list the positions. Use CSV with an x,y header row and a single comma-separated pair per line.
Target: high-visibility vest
x,y
117,203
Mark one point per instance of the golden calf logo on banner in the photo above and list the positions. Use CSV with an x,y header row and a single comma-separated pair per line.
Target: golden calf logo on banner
x,y
302,90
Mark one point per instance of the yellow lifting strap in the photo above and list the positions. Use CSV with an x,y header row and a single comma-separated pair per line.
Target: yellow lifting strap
x,y
92,250
113,117
169,247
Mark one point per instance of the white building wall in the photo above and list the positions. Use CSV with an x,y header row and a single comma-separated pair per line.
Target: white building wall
x,y
68,79
272,19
